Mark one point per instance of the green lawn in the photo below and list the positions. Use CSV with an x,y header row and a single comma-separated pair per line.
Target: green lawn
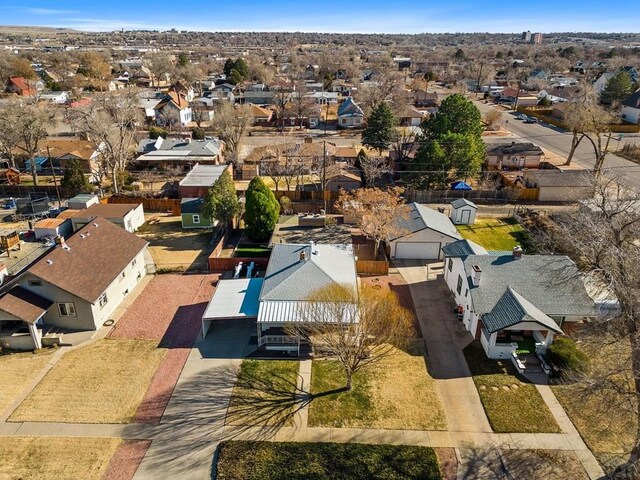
x,y
264,393
496,233
249,250
510,404
396,393
245,460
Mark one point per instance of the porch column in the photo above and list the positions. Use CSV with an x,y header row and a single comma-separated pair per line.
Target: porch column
x,y
35,335
549,338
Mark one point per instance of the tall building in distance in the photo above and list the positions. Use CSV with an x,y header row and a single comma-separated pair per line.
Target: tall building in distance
x,y
536,38
526,36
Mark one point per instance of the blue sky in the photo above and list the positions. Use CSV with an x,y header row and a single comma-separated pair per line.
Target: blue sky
x,y
400,16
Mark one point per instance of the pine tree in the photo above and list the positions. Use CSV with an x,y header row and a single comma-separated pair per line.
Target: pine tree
x,y
74,178
379,131
221,202
618,88
261,211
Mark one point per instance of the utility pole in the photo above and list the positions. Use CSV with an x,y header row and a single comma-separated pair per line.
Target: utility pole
x,y
479,77
324,174
55,181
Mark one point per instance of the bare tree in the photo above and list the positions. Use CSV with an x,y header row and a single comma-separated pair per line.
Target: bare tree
x,y
24,126
231,124
358,329
603,239
378,213
110,122
492,117
373,168
160,65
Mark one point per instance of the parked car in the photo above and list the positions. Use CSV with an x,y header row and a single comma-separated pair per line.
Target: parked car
x,y
522,116
531,120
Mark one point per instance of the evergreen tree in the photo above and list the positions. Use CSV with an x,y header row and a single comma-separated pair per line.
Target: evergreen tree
x,y
241,66
618,88
235,77
74,178
379,131
221,202
261,211
450,144
228,66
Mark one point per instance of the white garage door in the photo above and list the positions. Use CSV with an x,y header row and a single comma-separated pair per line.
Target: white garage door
x,y
418,250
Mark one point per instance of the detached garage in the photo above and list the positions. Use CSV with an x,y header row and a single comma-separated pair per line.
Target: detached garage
x,y
427,231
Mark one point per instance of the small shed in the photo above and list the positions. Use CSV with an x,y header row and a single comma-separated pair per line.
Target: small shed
x,y
463,212
53,227
191,216
9,238
82,201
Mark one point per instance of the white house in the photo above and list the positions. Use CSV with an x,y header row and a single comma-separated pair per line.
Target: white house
x,y
426,231
76,286
463,212
173,110
129,216
350,115
513,302
58,98
631,109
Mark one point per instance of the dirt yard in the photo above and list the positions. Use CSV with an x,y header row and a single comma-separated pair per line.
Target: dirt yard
x,y
174,248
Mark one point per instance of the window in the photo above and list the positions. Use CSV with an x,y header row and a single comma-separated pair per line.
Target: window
x,y
196,218
466,293
450,265
102,301
459,285
35,283
67,309
133,264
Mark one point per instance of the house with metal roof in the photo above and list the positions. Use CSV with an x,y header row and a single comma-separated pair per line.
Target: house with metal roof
x,y
425,232
201,178
514,303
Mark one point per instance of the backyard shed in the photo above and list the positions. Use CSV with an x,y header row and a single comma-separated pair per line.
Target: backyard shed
x,y
463,212
82,201
233,299
52,227
190,213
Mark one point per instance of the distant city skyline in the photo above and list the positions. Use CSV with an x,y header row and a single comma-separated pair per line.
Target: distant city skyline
x,y
373,16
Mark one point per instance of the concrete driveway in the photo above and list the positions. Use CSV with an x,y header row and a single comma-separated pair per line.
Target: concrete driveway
x,y
445,338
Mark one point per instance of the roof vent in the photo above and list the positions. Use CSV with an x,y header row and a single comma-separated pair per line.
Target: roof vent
x,y
96,225
517,252
49,262
303,256
66,248
82,235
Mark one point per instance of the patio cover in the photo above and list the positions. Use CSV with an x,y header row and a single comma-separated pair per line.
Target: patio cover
x,y
233,298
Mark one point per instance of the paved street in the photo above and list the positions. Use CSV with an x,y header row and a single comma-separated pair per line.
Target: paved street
x,y
553,139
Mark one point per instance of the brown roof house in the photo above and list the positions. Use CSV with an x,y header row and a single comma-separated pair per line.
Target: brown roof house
x,y
20,87
75,287
173,110
129,216
514,156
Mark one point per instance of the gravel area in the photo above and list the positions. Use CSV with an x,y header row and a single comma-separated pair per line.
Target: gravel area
x,y
169,310
125,461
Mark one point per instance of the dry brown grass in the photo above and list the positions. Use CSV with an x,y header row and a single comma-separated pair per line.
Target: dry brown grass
x,y
101,383
604,419
17,370
543,464
55,458
396,393
173,248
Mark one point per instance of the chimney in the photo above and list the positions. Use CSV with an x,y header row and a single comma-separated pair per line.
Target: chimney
x,y
303,256
517,252
477,275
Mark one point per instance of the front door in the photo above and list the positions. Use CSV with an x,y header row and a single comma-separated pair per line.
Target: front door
x,y
466,215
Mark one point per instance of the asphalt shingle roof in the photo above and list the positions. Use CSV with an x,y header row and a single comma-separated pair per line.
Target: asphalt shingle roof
x,y
421,217
550,282
511,309
463,202
289,278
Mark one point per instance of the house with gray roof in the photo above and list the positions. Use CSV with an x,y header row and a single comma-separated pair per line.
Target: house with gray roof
x,y
630,109
295,272
179,152
350,115
514,302
424,232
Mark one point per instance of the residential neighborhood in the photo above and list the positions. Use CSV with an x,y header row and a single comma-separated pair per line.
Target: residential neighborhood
x,y
233,255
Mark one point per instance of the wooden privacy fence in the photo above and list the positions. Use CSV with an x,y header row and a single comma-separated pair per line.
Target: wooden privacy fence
x,y
372,267
230,263
149,204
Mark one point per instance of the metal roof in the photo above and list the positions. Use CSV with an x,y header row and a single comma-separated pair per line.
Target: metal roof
x,y
300,312
203,175
234,298
288,278
512,309
463,202
550,282
421,218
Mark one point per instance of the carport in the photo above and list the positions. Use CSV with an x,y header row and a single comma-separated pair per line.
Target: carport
x,y
233,298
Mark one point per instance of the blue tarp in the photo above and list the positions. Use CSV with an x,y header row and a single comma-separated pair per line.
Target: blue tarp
x,y
460,186
39,162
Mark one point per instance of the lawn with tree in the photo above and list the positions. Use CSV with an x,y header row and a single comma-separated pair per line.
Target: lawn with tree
x,y
221,202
